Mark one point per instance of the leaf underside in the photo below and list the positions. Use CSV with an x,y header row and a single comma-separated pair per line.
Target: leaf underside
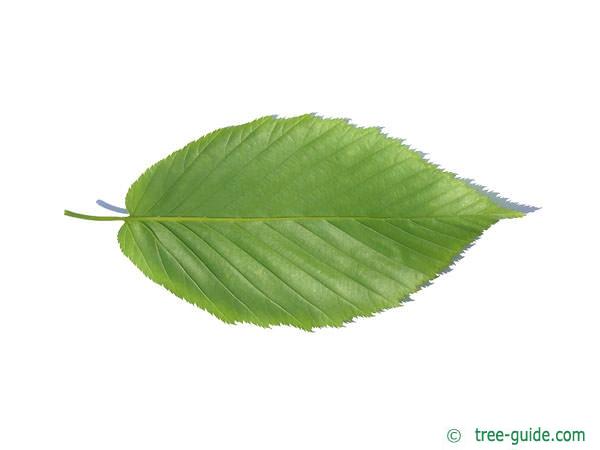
x,y
305,221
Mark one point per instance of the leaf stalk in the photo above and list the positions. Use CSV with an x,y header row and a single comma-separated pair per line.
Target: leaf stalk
x,y
88,217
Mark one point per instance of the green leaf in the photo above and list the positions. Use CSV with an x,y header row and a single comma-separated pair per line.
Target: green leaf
x,y
304,221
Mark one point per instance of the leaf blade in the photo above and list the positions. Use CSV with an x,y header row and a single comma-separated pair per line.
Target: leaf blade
x,y
305,221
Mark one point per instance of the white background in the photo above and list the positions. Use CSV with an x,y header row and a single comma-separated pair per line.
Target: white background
x,y
95,356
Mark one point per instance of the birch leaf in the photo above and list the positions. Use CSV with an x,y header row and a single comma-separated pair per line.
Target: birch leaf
x,y
304,221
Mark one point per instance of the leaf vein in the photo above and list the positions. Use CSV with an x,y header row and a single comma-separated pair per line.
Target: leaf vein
x,y
304,298
221,161
406,246
331,266
357,260
235,267
159,242
212,273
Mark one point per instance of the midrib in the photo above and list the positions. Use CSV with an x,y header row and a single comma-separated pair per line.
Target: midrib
x,y
507,214
301,218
